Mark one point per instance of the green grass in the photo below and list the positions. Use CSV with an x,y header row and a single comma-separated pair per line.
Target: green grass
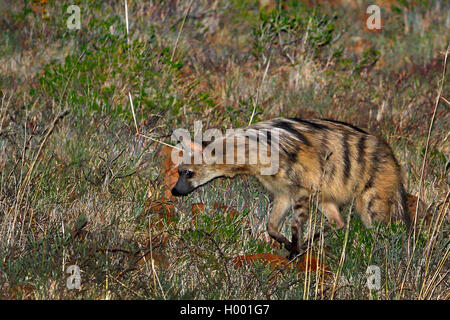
x,y
86,194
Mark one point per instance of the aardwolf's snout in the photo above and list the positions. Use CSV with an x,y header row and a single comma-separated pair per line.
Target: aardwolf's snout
x,y
176,193
182,188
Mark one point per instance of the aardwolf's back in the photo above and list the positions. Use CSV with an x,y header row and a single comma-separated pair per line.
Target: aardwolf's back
x,y
341,161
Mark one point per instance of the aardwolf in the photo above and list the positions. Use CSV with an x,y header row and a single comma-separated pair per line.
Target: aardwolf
x,y
337,160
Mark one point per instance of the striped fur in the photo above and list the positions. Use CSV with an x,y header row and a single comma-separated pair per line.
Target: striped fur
x,y
338,160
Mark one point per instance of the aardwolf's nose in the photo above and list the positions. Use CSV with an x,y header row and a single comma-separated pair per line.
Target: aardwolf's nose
x,y
175,192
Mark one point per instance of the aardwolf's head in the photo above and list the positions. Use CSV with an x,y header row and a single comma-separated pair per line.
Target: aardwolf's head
x,y
215,162
194,172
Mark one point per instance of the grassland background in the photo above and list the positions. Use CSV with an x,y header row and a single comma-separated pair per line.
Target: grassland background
x,y
81,188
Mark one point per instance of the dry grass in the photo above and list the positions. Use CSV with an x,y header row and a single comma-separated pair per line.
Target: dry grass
x,y
82,188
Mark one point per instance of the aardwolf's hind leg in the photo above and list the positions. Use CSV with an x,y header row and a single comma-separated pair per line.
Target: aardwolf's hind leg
x,y
281,204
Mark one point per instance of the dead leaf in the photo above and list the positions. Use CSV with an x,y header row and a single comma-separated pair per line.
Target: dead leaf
x,y
196,209
307,262
274,261
412,205
311,263
231,213
170,171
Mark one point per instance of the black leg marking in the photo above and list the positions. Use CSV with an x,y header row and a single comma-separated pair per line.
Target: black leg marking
x,y
301,210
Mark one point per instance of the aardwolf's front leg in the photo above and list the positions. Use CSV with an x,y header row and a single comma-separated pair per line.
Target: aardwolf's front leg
x,y
281,204
301,212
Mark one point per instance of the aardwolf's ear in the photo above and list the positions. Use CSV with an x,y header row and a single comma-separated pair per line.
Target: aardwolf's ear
x,y
204,145
194,147
197,147
187,153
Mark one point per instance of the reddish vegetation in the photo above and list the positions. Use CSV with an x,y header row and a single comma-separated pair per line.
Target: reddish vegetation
x,y
196,209
231,213
311,263
421,211
275,261
170,171
412,205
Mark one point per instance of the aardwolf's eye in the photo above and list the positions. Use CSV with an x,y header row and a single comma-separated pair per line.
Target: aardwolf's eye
x,y
189,173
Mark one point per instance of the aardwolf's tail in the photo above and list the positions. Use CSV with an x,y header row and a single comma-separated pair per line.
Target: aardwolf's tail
x,y
401,206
